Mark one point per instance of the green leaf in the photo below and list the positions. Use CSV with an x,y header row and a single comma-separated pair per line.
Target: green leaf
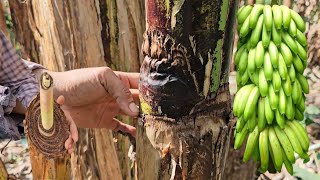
x,y
318,156
312,110
308,121
304,174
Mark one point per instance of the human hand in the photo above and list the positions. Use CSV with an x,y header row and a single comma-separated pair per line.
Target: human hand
x,y
94,96
73,136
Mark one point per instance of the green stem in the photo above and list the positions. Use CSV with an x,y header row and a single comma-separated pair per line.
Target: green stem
x,y
269,2
260,1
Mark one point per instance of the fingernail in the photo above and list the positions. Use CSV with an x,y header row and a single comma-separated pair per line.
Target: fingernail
x,y
133,107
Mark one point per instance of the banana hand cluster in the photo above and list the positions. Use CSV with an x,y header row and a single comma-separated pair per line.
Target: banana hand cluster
x,y
270,60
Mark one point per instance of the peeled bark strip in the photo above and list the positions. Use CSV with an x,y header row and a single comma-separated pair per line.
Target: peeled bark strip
x,y
184,132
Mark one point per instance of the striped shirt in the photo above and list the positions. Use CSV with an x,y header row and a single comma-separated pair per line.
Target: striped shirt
x,y
15,73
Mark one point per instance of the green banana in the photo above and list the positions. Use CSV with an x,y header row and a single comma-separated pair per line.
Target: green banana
x,y
259,55
238,96
290,42
244,98
254,15
276,81
276,149
244,13
240,124
298,65
286,16
301,38
272,168
280,119
296,92
252,122
287,163
263,84
240,136
302,53
287,87
282,102
285,143
268,111
298,20
245,77
286,54
239,10
273,53
273,98
301,105
255,153
267,66
289,108
251,61
255,77
245,29
264,149
276,35
283,71
301,134
293,139
266,37
243,62
261,117
253,139
238,54
256,32
293,29
304,83
238,79
277,16
251,103
267,14
292,73
298,115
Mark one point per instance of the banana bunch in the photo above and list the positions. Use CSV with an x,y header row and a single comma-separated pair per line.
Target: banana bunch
x,y
270,61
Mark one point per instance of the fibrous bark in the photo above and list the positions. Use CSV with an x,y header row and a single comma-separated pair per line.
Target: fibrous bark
x,y
185,99
67,34
3,171
64,35
49,158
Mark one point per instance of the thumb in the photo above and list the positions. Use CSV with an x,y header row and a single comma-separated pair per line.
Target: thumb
x,y
60,100
120,92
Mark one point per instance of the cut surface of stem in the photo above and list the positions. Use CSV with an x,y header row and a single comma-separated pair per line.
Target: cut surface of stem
x,y
46,100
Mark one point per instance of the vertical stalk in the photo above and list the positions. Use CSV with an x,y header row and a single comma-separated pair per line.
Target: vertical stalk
x,y
46,101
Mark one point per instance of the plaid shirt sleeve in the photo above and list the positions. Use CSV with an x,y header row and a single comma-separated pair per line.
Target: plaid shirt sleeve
x,y
15,74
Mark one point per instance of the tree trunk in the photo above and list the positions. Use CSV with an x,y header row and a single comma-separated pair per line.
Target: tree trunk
x,y
184,132
310,11
64,35
3,25
3,171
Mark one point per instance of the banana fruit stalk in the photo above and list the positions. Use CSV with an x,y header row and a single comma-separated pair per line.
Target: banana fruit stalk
x,y
270,61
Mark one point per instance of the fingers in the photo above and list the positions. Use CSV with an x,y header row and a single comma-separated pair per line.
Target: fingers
x,y
120,126
69,144
60,100
131,80
117,89
135,95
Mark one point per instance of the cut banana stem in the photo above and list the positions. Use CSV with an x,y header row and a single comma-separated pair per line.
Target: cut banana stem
x,y
46,100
